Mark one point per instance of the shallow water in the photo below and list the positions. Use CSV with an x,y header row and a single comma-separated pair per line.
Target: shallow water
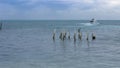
x,y
29,44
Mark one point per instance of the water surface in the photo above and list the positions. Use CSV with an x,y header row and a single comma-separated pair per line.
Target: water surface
x,y
29,44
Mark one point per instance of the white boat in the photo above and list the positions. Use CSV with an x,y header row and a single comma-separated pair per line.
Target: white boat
x,y
93,21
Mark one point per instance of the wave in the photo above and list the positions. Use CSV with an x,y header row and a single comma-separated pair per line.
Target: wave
x,y
89,24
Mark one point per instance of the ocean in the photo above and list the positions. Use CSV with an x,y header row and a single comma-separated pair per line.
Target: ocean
x,y
29,44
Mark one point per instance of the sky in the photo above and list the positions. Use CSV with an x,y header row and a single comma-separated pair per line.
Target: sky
x,y
59,9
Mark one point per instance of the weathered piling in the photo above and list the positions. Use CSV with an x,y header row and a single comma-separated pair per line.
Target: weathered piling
x,y
87,37
80,36
64,35
69,35
1,26
54,34
61,34
74,37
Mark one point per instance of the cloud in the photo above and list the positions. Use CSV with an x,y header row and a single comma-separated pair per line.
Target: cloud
x,y
60,9
6,11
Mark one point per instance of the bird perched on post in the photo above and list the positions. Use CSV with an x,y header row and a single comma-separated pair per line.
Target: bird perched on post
x,y
93,37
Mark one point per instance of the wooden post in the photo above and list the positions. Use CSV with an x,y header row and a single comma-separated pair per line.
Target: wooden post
x,y
75,37
1,26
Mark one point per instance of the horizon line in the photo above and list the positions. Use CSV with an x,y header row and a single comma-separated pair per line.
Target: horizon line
x,y
56,19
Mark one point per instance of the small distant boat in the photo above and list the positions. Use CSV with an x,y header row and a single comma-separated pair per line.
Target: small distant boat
x,y
93,21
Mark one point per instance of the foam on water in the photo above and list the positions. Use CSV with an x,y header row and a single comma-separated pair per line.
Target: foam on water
x,y
90,24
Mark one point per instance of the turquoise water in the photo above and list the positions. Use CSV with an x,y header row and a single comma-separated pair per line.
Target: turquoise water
x,y
29,44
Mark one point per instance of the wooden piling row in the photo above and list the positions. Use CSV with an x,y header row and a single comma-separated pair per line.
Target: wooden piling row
x,y
66,35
